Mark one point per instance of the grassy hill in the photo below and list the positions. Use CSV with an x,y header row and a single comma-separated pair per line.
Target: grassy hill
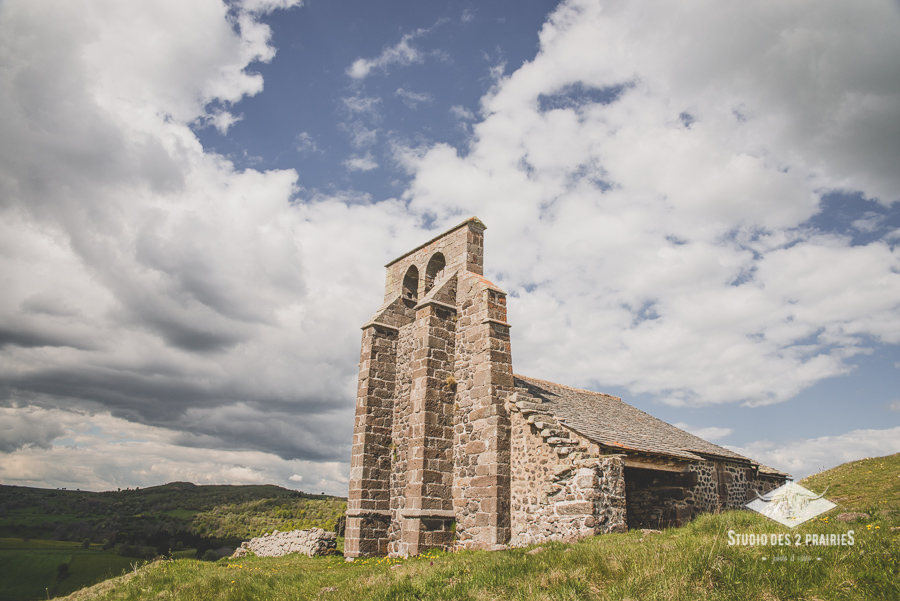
x,y
99,535
159,517
689,563
867,486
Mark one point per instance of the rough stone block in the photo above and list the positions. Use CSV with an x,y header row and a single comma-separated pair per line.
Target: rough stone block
x,y
574,508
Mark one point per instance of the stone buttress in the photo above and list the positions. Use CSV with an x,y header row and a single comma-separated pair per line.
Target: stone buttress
x,y
430,466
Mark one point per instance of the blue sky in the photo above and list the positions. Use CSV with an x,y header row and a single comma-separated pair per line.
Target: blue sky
x,y
693,206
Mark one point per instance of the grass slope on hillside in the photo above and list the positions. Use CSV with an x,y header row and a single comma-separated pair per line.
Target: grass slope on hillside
x,y
867,486
691,563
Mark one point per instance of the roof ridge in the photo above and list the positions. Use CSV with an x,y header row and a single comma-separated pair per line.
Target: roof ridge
x,y
571,387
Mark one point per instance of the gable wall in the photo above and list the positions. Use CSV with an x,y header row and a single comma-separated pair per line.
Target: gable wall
x,y
562,496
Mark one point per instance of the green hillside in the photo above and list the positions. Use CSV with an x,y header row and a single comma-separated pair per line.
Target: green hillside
x,y
695,562
156,519
867,486
99,535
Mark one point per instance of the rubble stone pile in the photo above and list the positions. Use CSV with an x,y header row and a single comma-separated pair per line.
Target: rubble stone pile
x,y
314,541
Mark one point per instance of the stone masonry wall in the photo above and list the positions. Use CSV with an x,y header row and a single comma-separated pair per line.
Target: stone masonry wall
x,y
426,519
368,502
435,466
400,436
481,421
462,247
725,485
558,493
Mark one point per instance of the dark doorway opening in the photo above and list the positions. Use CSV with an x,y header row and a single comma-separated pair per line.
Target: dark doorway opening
x,y
658,499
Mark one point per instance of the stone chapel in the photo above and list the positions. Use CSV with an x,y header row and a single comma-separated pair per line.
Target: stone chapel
x,y
451,449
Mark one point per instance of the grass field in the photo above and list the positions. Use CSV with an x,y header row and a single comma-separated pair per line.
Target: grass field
x,y
691,563
695,562
28,569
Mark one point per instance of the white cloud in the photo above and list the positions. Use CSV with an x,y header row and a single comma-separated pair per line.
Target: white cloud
x,y
403,54
709,433
362,104
221,120
669,254
462,113
894,405
804,457
868,223
100,452
306,144
360,135
266,6
147,278
26,428
412,99
361,163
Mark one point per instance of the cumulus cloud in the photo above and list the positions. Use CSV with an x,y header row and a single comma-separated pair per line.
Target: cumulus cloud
x,y
26,428
804,457
147,278
101,452
648,181
462,113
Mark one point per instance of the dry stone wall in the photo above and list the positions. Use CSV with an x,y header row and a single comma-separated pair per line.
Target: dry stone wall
x,y
314,541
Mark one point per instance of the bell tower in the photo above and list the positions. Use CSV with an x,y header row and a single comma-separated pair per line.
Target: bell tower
x,y
430,466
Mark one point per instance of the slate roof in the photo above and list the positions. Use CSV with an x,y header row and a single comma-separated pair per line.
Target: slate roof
x,y
609,422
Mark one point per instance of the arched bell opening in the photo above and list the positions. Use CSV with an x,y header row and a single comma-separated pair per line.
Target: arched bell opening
x,y
434,271
411,284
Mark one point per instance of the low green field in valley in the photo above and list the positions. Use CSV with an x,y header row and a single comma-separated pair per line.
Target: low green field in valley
x,y
695,562
43,532
31,569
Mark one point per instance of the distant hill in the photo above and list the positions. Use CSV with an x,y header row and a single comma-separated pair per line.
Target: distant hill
x,y
157,518
57,541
